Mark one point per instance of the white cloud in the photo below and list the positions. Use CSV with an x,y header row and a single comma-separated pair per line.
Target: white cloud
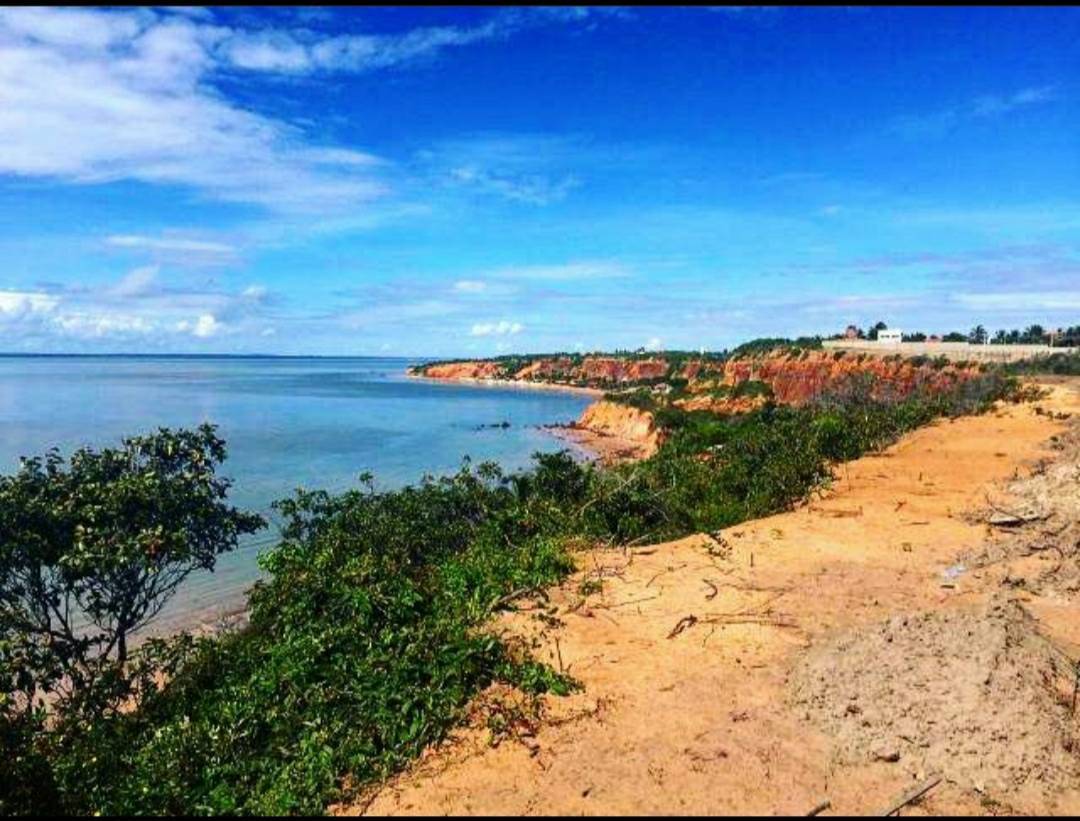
x,y
203,327
470,286
95,326
133,100
138,282
301,51
1021,301
654,344
534,189
290,52
535,169
501,328
169,244
206,325
938,123
22,303
99,95
71,26
992,104
140,305
568,272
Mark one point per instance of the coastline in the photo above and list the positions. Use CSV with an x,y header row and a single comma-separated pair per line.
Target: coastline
x,y
603,448
509,383
600,447
232,612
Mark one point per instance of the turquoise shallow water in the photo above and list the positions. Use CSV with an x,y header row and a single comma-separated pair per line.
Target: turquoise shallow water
x,y
315,423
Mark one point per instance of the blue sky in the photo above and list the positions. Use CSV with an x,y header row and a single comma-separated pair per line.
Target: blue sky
x,y
480,180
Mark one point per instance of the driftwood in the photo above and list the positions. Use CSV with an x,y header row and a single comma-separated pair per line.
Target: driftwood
x,y
684,622
624,603
915,792
820,808
1003,519
502,601
763,614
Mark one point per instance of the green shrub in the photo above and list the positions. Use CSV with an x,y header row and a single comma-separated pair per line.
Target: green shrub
x,y
368,636
1061,364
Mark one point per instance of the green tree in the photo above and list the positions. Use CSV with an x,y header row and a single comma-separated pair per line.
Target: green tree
x,y
92,549
1034,334
977,336
874,331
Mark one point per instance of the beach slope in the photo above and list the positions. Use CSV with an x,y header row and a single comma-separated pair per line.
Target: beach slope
x,y
713,667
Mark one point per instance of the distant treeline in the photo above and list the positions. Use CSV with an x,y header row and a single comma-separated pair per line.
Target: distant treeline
x,y
979,335
515,362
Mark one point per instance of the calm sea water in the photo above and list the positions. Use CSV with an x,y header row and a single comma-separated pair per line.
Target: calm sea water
x,y
313,423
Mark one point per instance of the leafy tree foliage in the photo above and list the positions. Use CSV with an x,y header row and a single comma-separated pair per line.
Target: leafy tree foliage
x,y
90,551
876,329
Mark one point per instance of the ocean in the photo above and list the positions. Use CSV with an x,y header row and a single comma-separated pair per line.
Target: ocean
x,y
315,423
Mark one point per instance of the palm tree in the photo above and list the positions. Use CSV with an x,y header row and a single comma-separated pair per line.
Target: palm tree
x,y
977,335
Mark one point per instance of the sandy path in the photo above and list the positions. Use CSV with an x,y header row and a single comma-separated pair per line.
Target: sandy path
x,y
701,722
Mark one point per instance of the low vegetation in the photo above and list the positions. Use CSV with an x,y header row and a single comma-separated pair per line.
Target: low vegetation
x,y
1056,364
368,637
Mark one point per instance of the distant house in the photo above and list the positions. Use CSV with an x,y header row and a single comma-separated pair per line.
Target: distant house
x,y
851,332
891,336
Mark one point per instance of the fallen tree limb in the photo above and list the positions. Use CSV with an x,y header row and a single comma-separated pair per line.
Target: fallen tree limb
x,y
915,792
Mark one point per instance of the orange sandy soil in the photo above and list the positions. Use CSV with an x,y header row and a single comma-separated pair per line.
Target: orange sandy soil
x,y
701,721
604,448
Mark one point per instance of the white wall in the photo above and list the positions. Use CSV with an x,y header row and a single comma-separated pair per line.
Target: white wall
x,y
952,350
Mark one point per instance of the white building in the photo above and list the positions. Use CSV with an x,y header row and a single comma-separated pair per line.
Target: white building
x,y
890,337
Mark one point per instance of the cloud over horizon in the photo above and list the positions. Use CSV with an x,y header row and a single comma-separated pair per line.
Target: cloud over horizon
x,y
446,180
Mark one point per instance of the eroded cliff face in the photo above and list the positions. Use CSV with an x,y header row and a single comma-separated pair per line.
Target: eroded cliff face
x,y
542,369
725,405
624,423
612,368
712,385
792,379
465,370
796,380
591,370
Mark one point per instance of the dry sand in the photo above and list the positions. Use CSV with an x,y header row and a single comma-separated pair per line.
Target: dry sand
x,y
717,672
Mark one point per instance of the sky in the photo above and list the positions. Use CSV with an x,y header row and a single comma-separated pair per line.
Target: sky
x,y
476,181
